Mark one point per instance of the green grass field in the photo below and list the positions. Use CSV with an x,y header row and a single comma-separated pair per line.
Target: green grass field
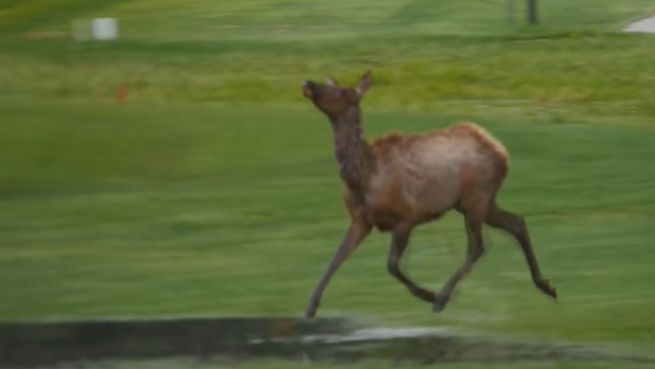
x,y
213,191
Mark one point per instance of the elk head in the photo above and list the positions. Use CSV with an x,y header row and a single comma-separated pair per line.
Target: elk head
x,y
334,100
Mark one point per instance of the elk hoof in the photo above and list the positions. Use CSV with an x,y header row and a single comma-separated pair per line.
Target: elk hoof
x,y
440,302
311,309
546,288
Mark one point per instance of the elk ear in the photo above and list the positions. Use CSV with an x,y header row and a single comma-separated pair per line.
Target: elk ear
x,y
364,84
330,81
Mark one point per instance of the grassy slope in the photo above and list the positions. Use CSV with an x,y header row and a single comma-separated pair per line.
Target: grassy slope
x,y
158,207
234,52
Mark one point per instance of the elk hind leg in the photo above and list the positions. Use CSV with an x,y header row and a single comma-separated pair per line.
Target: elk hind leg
x,y
516,226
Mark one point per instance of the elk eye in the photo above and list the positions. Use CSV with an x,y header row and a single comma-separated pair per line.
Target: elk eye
x,y
349,95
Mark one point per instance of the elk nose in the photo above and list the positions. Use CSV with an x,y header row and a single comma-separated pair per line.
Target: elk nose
x,y
307,88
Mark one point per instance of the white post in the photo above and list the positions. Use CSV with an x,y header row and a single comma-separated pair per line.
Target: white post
x,y
104,29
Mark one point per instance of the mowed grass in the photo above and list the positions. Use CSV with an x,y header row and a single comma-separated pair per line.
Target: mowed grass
x,y
605,78
144,210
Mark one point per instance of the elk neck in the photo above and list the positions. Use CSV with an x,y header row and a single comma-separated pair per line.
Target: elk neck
x,y
351,149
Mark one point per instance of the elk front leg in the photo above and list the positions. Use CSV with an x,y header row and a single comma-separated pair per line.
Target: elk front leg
x,y
474,252
399,243
355,235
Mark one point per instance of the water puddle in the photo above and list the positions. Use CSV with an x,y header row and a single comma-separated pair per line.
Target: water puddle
x,y
243,339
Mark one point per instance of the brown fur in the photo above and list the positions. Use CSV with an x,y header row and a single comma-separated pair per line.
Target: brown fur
x,y
399,181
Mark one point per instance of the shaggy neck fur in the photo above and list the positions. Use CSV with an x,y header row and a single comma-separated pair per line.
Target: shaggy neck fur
x,y
351,149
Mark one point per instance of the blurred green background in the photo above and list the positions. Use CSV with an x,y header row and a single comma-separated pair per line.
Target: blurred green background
x,y
213,191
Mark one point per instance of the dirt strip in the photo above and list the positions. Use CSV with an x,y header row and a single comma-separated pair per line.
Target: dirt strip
x,y
644,26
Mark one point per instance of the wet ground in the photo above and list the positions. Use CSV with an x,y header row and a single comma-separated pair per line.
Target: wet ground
x,y
243,339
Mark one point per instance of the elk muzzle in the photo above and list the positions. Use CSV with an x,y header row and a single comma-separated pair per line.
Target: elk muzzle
x,y
308,89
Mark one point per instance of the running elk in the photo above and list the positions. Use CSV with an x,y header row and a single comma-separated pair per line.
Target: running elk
x,y
400,181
